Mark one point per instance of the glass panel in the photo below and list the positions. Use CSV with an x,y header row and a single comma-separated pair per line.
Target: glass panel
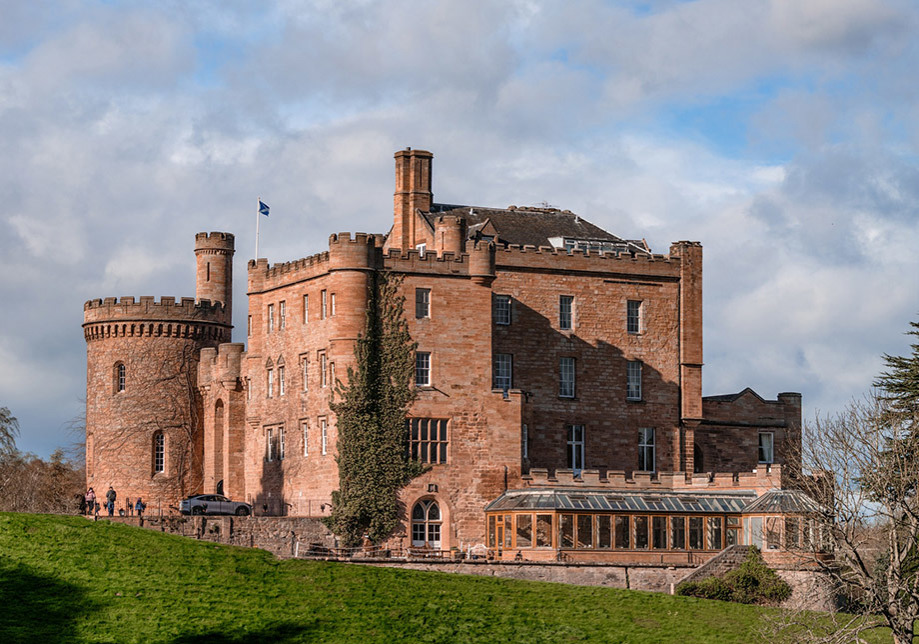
x,y
732,537
791,533
524,530
585,531
622,531
713,534
659,533
424,428
491,531
604,531
443,430
418,512
566,531
734,521
772,533
641,532
695,533
508,531
417,534
678,533
414,429
434,512
755,531
543,530
443,452
434,535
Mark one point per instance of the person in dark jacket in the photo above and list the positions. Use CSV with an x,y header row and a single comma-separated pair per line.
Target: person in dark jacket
x,y
139,507
110,497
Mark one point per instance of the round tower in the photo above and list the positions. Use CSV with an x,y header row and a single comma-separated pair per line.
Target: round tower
x,y
214,276
143,407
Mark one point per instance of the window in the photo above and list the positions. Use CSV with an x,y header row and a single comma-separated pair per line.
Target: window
x,y
565,307
332,373
678,533
646,449
633,316
269,444
306,309
249,327
121,373
576,448
525,440
659,533
306,373
281,443
765,447
524,530
713,533
270,318
502,309
305,428
282,315
426,525
640,523
503,371
324,435
270,383
566,377
695,533
422,369
427,439
322,369
332,304
324,304
422,303
421,248
280,381
633,391
248,388
159,453
621,531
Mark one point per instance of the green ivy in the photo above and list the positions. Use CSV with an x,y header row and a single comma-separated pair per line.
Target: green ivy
x,y
373,462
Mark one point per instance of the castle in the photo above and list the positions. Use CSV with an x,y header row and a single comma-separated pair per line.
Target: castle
x,y
559,388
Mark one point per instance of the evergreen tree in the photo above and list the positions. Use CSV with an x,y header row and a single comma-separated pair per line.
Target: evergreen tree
x,y
899,384
373,461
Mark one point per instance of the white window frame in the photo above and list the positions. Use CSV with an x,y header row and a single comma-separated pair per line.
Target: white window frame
x,y
422,303
566,312
422,249
282,314
647,450
576,435
633,316
324,304
324,435
281,443
306,373
502,310
331,304
306,309
121,377
269,444
567,374
281,387
270,318
633,380
765,453
503,371
422,368
323,376
159,452
270,383
332,374
305,427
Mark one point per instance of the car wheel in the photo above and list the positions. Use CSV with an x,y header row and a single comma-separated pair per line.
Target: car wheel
x,y
242,511
197,510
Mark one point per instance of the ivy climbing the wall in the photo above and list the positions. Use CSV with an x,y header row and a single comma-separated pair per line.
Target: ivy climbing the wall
x,y
373,462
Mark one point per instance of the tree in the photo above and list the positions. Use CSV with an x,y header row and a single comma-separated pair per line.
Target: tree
x,y
9,430
861,469
373,461
899,384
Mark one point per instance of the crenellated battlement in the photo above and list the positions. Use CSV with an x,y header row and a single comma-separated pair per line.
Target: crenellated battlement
x,y
550,258
214,241
148,317
264,276
764,478
363,239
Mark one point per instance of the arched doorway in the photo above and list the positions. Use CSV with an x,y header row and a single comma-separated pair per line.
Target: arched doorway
x,y
426,524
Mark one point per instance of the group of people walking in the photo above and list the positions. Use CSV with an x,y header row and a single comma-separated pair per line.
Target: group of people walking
x,y
91,505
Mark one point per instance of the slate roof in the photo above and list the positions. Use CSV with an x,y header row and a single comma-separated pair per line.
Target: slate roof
x,y
784,502
526,225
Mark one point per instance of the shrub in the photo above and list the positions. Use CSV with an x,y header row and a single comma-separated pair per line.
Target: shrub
x,y
753,582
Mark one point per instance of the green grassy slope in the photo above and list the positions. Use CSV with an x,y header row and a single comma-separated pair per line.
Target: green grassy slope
x,y
66,579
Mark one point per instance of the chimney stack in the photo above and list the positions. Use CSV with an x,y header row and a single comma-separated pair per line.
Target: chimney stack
x,y
413,193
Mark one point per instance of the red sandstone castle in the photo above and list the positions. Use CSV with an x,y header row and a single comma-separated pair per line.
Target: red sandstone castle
x,y
559,377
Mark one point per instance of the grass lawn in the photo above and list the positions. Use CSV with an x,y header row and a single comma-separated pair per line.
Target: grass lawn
x,y
66,579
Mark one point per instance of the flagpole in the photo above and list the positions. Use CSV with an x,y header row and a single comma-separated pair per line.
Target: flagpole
x,y
258,217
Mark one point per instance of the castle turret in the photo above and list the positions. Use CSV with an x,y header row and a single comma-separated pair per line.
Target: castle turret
x,y
413,193
450,235
214,279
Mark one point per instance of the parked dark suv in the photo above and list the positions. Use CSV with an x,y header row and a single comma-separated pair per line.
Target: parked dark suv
x,y
214,504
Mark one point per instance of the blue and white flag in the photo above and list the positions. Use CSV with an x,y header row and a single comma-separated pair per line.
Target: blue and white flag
x,y
262,208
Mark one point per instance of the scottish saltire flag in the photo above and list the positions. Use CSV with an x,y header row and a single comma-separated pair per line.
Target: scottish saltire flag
x,y
262,208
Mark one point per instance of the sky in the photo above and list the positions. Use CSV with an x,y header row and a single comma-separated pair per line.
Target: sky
x,y
782,134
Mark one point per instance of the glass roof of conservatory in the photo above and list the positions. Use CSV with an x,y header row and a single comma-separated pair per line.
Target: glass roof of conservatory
x,y
613,501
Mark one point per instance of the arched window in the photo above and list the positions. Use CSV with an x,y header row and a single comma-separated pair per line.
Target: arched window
x,y
120,377
426,524
698,460
159,453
